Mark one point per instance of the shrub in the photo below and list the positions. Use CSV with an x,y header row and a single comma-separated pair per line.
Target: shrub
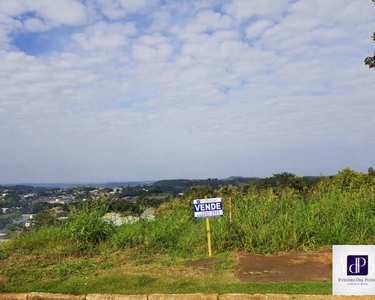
x,y
86,225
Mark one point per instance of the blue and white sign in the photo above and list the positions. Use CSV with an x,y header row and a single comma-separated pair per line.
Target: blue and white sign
x,y
208,208
353,269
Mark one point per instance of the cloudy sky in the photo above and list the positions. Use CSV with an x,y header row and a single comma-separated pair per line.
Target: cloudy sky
x,y
104,90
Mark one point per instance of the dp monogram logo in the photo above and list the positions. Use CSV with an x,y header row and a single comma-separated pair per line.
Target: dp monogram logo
x,y
357,265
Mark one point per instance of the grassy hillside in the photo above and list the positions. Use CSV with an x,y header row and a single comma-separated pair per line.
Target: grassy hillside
x,y
267,218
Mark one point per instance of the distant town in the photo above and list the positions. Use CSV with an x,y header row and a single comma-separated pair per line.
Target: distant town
x,y
24,206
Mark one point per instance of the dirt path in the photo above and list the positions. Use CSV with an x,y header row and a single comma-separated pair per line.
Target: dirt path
x,y
297,266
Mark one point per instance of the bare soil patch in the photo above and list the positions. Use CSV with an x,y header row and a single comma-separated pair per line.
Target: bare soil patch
x,y
297,266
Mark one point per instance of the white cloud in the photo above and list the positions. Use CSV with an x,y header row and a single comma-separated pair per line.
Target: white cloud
x,y
7,25
244,9
37,16
160,52
210,20
182,93
151,40
66,12
161,21
323,26
256,29
117,9
35,25
105,36
133,6
144,53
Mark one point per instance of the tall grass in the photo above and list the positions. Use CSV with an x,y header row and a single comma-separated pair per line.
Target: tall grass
x,y
84,230
46,240
263,222
174,231
266,220
268,225
86,226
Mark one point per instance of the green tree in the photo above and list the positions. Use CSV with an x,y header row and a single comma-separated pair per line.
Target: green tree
x,y
199,192
348,179
12,200
283,180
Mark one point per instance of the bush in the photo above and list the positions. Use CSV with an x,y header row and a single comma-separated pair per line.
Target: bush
x,y
88,229
86,225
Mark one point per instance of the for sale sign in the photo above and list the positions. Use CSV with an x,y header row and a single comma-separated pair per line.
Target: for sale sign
x,y
208,208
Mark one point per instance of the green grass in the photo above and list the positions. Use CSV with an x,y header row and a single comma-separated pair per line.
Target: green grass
x,y
136,285
45,240
124,273
262,223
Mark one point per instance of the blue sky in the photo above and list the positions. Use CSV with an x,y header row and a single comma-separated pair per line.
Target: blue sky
x,y
119,90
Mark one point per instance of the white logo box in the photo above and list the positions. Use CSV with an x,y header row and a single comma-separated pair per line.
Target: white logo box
x,y
353,269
